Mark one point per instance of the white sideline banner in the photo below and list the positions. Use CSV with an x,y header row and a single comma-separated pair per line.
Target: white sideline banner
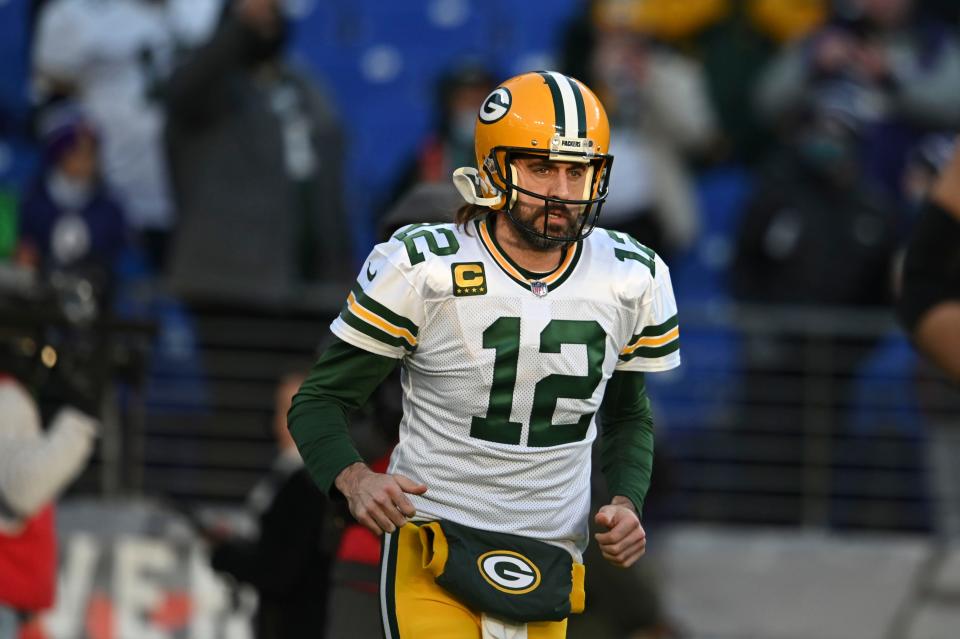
x,y
131,570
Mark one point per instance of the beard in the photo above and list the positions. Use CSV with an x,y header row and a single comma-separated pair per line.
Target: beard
x,y
562,226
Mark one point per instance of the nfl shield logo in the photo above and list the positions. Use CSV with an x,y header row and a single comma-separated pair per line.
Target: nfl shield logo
x,y
539,288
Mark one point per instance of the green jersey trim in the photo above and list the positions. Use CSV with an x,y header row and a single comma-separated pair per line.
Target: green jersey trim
x,y
520,275
375,320
654,341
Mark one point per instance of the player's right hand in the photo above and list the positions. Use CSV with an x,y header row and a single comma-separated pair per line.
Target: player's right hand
x,y
376,500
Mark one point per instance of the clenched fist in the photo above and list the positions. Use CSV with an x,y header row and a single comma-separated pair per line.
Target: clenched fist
x,y
625,540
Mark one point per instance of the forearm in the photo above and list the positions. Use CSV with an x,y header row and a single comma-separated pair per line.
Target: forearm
x,y
340,382
320,430
938,336
626,502
626,447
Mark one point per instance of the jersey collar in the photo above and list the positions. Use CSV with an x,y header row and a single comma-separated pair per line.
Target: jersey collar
x,y
519,274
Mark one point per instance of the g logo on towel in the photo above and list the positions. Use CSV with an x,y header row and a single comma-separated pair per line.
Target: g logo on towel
x,y
509,571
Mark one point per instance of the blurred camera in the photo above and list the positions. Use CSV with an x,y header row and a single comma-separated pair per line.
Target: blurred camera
x,y
54,340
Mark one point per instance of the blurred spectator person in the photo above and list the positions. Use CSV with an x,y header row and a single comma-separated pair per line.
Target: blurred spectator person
x,y
816,230
35,467
732,40
734,51
256,154
672,22
288,560
111,56
69,221
924,163
816,234
460,92
929,303
929,308
899,67
661,116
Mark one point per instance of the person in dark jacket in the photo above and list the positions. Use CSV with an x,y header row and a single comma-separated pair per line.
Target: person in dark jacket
x,y
929,303
929,308
288,561
255,152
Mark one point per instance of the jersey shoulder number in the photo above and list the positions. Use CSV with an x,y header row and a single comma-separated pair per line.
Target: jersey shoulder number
x,y
423,239
625,248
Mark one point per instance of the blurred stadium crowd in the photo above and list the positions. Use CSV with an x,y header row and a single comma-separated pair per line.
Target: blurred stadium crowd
x,y
187,188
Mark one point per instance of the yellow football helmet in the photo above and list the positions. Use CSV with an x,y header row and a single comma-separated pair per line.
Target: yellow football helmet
x,y
541,113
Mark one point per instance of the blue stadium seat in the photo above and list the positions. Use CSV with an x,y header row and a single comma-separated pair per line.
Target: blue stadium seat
x,y
698,395
382,61
13,58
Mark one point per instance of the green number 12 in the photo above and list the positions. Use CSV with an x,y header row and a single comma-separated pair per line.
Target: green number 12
x,y
503,336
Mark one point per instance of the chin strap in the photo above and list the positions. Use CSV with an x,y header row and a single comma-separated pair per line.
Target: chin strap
x,y
467,181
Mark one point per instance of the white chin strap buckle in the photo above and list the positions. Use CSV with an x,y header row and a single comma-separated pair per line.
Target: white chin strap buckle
x,y
467,181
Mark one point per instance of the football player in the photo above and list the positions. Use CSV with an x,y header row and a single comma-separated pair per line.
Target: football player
x,y
515,327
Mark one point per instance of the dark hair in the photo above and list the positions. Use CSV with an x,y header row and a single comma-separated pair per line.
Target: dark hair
x,y
469,212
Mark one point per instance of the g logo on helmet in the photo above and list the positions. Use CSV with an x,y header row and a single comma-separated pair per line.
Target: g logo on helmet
x,y
509,571
496,105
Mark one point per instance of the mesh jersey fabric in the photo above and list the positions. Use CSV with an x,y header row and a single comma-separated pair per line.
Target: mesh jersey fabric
x,y
479,345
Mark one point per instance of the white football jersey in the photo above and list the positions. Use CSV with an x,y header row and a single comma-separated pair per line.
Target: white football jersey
x,y
502,376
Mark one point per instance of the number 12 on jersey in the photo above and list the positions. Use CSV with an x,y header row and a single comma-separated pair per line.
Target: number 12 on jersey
x,y
503,336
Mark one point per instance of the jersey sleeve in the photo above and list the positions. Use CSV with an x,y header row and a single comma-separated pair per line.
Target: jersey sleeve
x,y
383,312
655,343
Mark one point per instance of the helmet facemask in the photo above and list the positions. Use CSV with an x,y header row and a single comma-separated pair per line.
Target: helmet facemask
x,y
585,210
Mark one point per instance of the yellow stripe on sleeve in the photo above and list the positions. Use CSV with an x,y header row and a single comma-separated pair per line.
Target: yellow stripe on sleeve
x,y
658,340
379,322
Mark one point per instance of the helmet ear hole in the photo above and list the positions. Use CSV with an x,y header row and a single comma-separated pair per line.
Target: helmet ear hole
x,y
470,185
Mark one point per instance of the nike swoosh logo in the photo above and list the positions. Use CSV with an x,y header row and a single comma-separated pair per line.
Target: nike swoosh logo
x,y
370,274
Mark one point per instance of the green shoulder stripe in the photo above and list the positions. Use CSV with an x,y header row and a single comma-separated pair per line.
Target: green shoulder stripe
x,y
659,329
382,311
369,330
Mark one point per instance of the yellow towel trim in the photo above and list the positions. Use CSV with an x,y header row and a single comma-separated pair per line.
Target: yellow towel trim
x,y
578,595
435,548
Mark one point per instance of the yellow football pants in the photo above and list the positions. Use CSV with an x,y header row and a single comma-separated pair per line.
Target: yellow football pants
x,y
413,606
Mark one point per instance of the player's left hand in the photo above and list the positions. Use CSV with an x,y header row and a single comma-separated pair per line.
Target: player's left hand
x,y
625,540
